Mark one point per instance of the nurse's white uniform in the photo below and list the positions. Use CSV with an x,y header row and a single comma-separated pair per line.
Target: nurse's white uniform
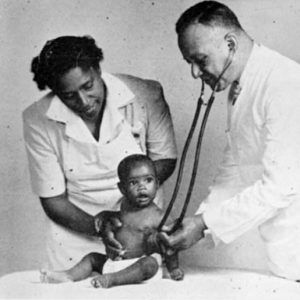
x,y
64,155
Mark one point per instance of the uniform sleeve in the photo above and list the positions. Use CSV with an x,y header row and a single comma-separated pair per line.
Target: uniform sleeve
x,y
280,182
160,140
226,183
47,178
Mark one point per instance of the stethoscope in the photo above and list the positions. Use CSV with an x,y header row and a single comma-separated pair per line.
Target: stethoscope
x,y
197,152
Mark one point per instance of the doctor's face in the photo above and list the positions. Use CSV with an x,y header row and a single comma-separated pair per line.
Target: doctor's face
x,y
83,91
206,50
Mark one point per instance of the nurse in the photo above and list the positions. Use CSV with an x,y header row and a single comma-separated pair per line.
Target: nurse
x,y
77,134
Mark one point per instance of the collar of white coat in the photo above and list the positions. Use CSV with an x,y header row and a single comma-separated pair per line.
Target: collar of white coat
x,y
258,57
118,96
254,62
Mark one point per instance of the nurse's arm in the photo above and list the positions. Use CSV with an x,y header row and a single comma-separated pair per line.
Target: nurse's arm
x,y
165,168
160,136
63,212
60,210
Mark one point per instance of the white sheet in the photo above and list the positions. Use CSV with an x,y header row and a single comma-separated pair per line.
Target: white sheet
x,y
208,284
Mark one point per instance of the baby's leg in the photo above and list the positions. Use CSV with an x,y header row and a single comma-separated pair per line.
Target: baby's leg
x,y
143,269
92,262
172,264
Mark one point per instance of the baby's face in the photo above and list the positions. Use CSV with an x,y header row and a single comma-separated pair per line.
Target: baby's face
x,y
141,185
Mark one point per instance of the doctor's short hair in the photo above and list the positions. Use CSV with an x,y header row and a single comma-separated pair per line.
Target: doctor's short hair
x,y
130,162
62,54
210,13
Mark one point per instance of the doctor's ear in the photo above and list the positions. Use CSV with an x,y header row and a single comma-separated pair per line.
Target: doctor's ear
x,y
232,41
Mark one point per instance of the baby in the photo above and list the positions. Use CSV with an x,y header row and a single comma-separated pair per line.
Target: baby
x,y
140,217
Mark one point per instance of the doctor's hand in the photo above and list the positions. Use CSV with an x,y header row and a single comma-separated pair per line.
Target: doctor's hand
x,y
189,233
106,224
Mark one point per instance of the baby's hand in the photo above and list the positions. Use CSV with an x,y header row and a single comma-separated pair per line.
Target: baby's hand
x,y
114,254
120,256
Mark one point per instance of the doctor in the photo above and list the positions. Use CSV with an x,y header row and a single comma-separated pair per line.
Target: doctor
x,y
77,134
258,183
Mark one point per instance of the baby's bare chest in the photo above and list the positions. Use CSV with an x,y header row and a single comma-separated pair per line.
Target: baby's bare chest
x,y
141,222
136,227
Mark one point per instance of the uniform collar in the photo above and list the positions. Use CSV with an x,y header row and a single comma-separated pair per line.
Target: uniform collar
x,y
118,96
249,71
252,64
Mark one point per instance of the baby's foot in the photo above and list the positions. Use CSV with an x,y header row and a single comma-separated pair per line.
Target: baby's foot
x,y
100,281
47,276
177,274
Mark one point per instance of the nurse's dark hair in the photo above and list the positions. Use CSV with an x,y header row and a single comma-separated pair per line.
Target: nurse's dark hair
x,y
211,13
62,54
132,161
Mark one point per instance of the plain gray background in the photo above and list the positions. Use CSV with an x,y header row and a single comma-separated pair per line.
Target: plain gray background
x,y
138,38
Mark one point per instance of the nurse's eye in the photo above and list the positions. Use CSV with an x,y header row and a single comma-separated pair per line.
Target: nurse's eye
x,y
67,96
89,85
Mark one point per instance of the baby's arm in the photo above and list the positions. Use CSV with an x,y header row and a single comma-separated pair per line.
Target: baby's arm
x,y
153,245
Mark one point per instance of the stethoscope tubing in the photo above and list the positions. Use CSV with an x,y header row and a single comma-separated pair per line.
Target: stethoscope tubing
x,y
183,158
197,152
195,167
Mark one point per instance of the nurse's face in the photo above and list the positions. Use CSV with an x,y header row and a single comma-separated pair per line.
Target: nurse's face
x,y
206,50
83,91
141,185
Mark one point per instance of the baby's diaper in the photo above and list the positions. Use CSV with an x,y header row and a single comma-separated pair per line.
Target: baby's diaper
x,y
112,266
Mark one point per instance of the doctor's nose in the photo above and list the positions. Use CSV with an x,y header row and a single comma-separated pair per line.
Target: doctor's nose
x,y
196,71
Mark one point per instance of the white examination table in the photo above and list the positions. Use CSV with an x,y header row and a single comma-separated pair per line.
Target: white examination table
x,y
205,283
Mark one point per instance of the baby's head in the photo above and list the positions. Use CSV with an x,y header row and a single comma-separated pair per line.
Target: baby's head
x,y
138,180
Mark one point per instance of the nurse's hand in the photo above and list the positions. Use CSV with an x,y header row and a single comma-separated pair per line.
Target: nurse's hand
x,y
106,224
189,233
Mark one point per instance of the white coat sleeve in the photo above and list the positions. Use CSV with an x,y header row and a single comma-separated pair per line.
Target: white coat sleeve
x,y
280,182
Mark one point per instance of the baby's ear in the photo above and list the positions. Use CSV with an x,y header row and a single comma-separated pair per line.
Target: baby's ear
x,y
121,188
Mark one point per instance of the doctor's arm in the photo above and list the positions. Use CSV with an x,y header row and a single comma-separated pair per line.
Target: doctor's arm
x,y
192,229
279,183
262,200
